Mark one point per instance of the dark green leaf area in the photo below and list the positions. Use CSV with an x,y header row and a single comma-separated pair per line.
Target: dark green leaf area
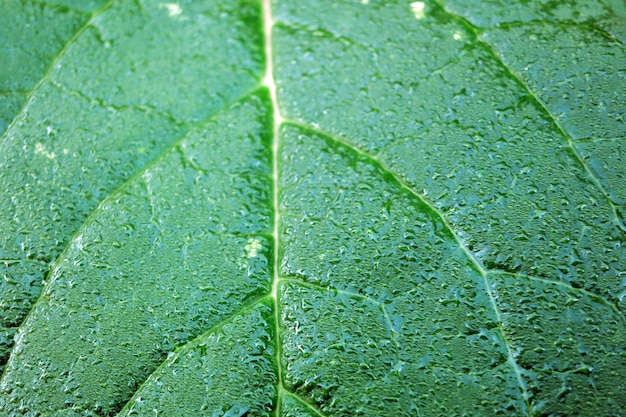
x,y
607,160
185,65
444,112
32,35
9,105
191,269
126,89
604,17
21,286
566,56
395,270
553,13
566,77
569,343
56,175
236,360
57,168
317,208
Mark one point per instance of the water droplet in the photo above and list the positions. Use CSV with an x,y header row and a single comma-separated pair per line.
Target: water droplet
x,y
173,9
253,247
418,9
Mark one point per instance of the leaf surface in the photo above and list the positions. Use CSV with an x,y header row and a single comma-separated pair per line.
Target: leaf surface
x,y
313,208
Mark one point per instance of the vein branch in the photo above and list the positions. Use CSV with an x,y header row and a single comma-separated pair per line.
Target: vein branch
x,y
477,264
116,107
302,401
54,63
323,32
590,26
595,140
381,306
137,176
568,287
174,355
534,96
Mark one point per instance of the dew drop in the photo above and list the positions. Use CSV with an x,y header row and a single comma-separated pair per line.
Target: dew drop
x,y
418,9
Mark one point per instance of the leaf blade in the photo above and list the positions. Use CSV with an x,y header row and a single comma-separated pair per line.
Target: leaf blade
x,y
81,136
399,220
147,273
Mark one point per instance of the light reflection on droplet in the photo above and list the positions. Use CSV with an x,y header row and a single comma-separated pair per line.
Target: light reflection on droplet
x,y
173,9
418,9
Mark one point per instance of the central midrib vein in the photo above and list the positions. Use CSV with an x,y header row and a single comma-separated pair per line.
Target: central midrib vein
x,y
278,119
268,81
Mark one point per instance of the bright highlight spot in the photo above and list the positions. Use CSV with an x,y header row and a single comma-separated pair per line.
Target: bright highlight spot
x,y
39,149
457,36
173,9
365,1
252,247
418,9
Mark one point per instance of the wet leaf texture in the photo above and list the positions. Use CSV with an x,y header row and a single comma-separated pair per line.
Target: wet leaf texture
x,y
318,208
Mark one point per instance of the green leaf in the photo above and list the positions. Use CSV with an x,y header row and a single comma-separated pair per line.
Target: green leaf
x,y
318,208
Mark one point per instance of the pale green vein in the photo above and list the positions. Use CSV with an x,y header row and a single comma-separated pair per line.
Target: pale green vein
x,y
323,288
115,107
583,369
137,176
381,306
498,59
175,354
597,140
54,62
460,375
317,31
279,397
270,83
321,32
568,287
14,261
562,24
305,403
469,254
183,153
